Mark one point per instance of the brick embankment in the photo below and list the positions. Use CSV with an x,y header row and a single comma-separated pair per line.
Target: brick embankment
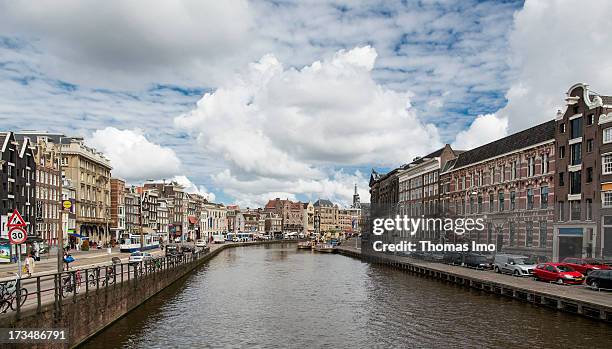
x,y
578,299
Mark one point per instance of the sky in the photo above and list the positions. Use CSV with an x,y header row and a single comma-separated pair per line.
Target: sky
x,y
243,101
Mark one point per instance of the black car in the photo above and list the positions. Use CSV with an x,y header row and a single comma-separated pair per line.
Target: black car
x,y
453,258
478,261
600,279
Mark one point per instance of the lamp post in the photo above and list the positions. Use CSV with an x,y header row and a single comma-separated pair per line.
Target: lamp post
x,y
60,232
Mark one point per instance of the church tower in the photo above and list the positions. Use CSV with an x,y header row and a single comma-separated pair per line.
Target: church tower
x,y
356,203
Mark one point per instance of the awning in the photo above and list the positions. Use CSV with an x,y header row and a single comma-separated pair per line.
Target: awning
x,y
192,219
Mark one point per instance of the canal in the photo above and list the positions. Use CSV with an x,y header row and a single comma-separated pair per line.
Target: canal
x,y
276,296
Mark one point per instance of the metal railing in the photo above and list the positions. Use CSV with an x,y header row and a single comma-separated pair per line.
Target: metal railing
x,y
20,294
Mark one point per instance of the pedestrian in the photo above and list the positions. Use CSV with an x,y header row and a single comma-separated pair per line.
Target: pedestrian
x,y
29,262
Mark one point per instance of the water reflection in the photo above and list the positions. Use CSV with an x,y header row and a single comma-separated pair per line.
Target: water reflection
x,y
275,296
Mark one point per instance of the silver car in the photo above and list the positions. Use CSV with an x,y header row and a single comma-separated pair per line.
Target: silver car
x,y
516,265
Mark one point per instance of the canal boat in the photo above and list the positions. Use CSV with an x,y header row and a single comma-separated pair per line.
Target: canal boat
x,y
324,248
131,242
304,245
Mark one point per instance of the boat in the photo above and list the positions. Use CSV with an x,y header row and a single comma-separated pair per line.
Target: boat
x,y
324,248
304,245
131,242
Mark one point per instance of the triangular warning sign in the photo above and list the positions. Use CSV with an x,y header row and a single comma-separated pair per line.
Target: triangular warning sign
x,y
16,220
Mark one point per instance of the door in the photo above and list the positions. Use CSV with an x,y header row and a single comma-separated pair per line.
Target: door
x,y
570,246
551,273
507,266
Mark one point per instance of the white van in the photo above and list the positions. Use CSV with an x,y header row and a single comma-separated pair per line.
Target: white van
x,y
516,265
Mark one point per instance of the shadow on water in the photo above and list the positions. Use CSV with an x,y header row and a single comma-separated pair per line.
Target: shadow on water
x,y
275,296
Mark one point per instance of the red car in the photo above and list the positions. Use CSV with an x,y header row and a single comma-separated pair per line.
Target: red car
x,y
584,265
559,273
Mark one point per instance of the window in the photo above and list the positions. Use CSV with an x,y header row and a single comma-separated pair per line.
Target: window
x,y
576,128
561,152
589,145
590,119
589,174
513,169
512,233
607,135
606,198
530,198
472,205
576,154
561,207
545,163
589,209
501,200
531,166
544,197
512,200
606,163
528,234
575,210
561,179
480,204
575,182
489,233
562,128
576,109
543,234
491,202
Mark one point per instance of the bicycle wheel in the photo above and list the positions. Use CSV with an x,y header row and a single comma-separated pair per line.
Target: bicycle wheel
x,y
110,276
66,286
91,280
22,299
4,306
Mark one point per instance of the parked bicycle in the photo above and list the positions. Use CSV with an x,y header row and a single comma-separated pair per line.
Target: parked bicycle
x,y
8,295
71,283
105,279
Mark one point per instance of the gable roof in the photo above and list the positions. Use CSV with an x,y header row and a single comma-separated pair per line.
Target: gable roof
x,y
523,139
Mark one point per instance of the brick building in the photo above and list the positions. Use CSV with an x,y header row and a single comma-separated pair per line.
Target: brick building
x,y
510,184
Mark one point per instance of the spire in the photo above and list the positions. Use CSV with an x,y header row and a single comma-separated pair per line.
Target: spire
x,y
355,188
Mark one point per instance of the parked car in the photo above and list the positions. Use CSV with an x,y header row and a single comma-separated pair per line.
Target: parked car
x,y
516,265
200,243
478,261
558,272
172,250
600,279
218,239
137,257
585,265
454,258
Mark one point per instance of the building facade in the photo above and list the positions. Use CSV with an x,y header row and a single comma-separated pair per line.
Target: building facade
x,y
509,183
583,191
18,178
117,211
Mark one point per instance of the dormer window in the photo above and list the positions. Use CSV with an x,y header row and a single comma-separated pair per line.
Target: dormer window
x,y
576,109
562,127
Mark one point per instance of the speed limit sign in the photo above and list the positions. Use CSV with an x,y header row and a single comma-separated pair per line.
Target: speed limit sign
x,y
17,235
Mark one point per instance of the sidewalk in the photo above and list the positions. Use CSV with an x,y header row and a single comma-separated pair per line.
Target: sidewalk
x,y
82,259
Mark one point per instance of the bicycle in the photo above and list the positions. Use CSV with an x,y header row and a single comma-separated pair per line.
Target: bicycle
x,y
8,295
107,280
71,283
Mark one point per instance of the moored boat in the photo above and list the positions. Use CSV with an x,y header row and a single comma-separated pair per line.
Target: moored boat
x,y
304,245
324,248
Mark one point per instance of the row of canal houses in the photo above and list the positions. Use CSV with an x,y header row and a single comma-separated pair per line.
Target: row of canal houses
x,y
545,191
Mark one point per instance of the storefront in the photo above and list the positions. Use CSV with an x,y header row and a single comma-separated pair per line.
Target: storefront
x,y
573,241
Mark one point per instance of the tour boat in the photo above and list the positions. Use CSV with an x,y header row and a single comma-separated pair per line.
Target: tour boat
x,y
304,245
325,248
131,242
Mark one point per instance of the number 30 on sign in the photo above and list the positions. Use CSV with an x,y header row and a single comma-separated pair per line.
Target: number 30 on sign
x,y
17,235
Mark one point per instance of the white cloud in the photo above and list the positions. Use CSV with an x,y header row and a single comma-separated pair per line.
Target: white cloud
x,y
338,186
275,125
133,157
549,55
127,43
192,188
484,129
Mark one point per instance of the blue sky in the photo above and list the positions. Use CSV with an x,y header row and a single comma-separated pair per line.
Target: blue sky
x,y
426,68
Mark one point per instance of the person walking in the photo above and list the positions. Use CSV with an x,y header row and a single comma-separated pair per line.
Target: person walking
x,y
29,263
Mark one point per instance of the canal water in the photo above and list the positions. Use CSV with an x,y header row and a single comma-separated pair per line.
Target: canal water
x,y
276,296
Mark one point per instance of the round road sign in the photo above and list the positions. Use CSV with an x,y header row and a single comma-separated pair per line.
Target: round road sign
x,y
17,235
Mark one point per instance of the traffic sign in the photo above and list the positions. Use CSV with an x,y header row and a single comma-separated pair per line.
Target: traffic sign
x,y
67,204
16,220
17,235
